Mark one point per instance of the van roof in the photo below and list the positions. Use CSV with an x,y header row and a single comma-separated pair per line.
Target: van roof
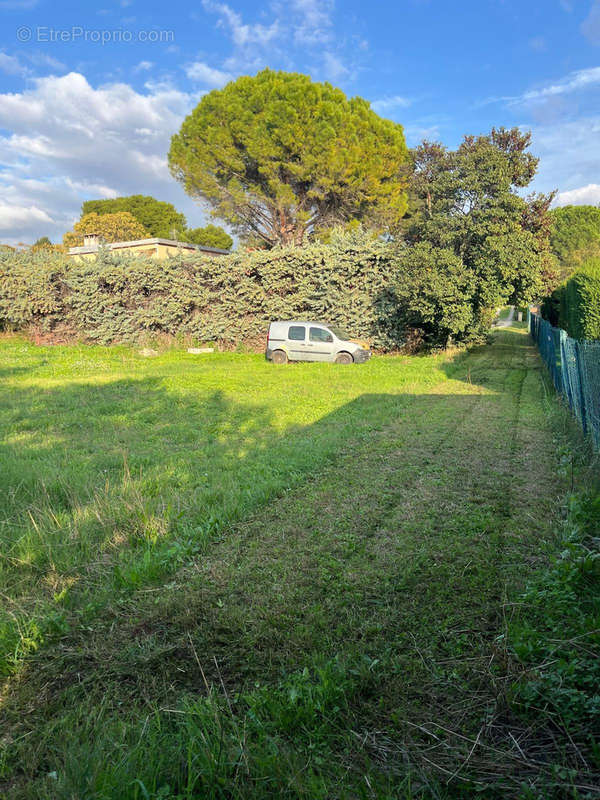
x,y
299,322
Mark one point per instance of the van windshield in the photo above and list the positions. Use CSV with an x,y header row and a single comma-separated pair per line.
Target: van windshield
x,y
341,334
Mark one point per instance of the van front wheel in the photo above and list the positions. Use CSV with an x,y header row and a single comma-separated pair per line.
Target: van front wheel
x,y
343,358
279,357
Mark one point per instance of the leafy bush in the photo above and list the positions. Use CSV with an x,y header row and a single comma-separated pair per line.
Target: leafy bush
x,y
209,236
32,288
155,216
474,244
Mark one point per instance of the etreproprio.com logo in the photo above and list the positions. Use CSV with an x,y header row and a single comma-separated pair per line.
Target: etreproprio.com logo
x,y
45,34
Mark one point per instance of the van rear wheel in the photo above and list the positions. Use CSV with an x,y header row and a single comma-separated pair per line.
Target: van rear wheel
x,y
343,358
279,357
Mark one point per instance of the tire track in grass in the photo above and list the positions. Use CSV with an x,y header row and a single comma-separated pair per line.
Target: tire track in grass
x,y
247,548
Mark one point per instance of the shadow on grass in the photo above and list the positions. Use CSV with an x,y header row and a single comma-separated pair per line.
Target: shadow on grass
x,y
111,487
11,372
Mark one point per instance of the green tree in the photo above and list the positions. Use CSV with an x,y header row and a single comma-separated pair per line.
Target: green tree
x,y
575,235
209,236
467,207
435,292
158,218
279,156
41,243
44,243
118,227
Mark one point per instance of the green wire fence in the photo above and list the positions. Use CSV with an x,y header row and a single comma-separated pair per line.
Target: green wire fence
x,y
574,365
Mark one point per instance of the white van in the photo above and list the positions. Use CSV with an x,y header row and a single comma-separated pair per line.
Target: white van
x,y
298,340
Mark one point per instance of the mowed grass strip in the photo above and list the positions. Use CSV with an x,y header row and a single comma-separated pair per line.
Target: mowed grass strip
x,y
262,582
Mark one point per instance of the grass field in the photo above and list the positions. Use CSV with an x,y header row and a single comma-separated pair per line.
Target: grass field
x,y
224,579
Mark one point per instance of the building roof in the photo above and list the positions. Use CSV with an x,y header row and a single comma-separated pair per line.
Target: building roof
x,y
137,242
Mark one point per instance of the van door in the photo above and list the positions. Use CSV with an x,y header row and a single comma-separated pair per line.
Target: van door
x,y
321,344
297,349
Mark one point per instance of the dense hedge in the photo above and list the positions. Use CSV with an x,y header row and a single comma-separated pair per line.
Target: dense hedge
x,y
581,307
575,306
227,299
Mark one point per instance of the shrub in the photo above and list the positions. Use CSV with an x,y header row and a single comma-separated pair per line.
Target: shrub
x,y
581,312
32,288
575,306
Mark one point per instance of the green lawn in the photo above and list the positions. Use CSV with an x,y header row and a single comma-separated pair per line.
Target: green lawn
x,y
225,579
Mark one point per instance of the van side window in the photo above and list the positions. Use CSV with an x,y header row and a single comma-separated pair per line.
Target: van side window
x,y
297,333
320,335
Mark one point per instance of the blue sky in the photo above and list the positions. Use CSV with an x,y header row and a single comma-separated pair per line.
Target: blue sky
x,y
81,118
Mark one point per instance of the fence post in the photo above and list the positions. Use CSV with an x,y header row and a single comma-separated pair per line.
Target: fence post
x,y
564,369
581,393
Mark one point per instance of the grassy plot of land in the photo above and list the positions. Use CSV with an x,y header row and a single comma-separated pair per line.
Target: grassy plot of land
x,y
223,579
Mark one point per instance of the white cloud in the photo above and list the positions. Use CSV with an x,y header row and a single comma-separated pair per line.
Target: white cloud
x,y
387,104
242,33
67,141
584,195
207,76
314,21
13,216
295,29
575,81
569,155
143,66
13,65
96,189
